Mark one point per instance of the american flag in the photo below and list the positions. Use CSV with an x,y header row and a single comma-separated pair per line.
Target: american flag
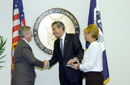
x,y
18,21
95,18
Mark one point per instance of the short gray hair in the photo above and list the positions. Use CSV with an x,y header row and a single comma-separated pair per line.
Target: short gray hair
x,y
22,30
59,24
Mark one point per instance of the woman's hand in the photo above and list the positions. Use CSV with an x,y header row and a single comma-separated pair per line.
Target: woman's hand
x,y
76,66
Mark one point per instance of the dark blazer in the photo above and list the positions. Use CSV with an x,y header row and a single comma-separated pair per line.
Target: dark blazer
x,y
72,48
24,62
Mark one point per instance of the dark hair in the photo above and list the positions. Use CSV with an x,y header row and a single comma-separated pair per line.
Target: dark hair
x,y
59,24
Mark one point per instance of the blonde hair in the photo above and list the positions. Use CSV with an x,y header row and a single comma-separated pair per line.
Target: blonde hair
x,y
93,29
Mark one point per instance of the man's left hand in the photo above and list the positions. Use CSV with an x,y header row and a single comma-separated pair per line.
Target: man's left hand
x,y
71,61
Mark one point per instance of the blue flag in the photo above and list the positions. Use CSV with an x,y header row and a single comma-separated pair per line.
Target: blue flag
x,y
94,18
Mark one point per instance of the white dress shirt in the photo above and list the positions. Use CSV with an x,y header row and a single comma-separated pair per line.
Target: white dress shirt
x,y
63,39
92,60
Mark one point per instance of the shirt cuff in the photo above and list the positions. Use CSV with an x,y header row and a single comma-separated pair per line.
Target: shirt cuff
x,y
48,64
77,59
80,66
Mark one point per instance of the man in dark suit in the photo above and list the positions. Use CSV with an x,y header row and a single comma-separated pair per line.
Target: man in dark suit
x,y
66,48
24,60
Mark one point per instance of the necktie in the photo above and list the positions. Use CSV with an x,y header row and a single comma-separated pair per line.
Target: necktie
x,y
62,48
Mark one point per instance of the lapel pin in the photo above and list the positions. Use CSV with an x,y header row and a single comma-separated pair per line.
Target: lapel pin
x,y
66,41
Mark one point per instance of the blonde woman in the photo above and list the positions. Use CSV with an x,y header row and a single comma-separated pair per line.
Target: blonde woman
x,y
92,61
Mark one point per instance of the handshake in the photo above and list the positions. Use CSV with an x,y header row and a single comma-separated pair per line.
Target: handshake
x,y
71,63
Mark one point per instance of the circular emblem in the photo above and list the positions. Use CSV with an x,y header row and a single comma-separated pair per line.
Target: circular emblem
x,y
42,31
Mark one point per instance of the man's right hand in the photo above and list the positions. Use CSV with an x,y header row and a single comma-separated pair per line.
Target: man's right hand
x,y
46,64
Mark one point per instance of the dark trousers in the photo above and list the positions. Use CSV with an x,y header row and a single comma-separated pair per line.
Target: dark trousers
x,y
94,78
65,81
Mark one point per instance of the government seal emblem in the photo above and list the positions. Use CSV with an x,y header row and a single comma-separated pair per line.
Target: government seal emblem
x,y
42,31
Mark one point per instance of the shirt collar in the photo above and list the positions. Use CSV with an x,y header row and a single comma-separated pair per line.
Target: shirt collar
x,y
25,40
63,37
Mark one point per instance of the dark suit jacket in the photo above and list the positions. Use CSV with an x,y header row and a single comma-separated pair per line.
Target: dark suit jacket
x,y
72,48
24,62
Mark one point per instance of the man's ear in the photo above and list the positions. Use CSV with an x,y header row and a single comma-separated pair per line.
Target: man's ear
x,y
25,34
61,27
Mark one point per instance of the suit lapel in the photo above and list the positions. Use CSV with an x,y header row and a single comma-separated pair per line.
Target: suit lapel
x,y
58,43
24,42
